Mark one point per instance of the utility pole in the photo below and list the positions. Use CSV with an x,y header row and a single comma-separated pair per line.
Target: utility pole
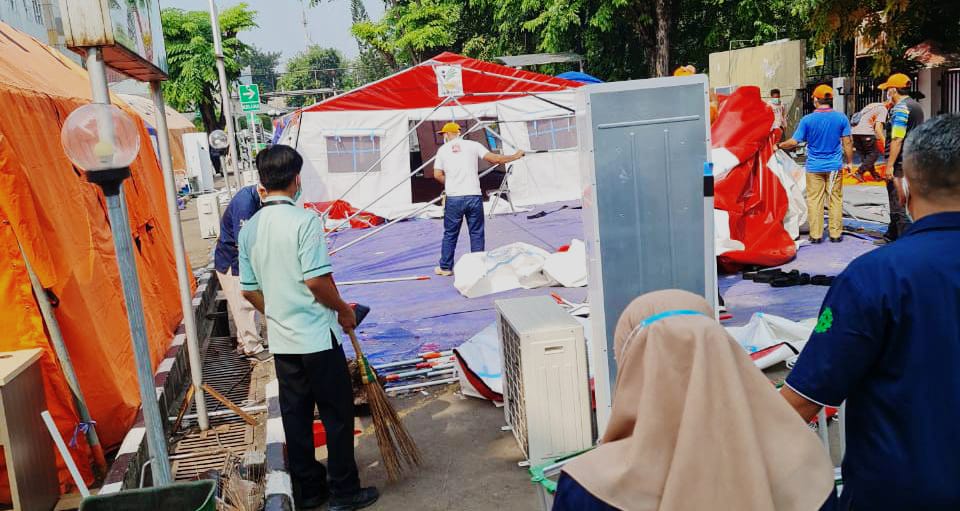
x,y
225,106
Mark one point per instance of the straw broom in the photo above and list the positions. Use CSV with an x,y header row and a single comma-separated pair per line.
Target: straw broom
x,y
397,448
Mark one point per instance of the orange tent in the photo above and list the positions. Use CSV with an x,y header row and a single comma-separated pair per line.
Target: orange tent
x,y
61,221
177,125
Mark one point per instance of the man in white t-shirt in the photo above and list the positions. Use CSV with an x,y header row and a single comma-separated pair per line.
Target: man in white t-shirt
x,y
457,169
868,137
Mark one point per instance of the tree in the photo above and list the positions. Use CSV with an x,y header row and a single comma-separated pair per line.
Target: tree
x,y
894,24
410,32
193,82
263,67
370,64
702,27
314,68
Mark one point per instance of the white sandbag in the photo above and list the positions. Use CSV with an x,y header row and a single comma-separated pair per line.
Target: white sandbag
x,y
513,266
568,268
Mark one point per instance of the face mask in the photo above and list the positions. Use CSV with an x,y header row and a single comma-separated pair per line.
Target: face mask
x,y
775,101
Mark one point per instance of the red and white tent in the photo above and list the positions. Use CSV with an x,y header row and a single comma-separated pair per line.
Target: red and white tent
x,y
759,192
343,136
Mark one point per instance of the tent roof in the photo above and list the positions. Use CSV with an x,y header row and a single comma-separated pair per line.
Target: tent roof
x,y
147,110
416,87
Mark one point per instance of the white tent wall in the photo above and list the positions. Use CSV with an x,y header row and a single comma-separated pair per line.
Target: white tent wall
x,y
536,179
319,184
544,177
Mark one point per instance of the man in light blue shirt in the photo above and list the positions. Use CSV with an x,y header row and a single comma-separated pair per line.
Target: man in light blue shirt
x,y
285,273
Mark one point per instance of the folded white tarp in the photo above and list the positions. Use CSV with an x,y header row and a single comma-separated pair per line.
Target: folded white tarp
x,y
772,339
866,203
481,365
519,265
794,181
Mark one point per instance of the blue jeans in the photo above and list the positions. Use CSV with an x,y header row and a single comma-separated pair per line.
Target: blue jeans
x,y
458,208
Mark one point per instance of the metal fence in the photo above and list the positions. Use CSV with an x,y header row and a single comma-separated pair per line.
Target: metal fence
x,y
950,81
867,91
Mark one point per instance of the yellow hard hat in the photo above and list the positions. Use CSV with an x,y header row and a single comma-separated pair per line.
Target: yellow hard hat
x,y
897,81
823,91
685,71
450,127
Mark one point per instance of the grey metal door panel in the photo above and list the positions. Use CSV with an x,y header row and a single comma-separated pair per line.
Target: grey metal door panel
x,y
649,146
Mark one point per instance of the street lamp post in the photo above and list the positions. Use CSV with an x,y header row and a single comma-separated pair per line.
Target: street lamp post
x,y
225,99
103,141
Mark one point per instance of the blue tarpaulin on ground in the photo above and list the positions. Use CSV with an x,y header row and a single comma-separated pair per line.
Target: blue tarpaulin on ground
x,y
412,317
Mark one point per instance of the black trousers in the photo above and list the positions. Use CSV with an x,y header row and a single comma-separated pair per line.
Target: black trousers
x,y
867,147
319,380
899,222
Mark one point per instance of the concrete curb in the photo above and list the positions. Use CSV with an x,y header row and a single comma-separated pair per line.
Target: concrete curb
x,y
278,492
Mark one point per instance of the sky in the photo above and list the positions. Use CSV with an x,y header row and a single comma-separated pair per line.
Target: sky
x,y
281,23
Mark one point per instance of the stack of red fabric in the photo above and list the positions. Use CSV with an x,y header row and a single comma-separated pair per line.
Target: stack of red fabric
x,y
341,210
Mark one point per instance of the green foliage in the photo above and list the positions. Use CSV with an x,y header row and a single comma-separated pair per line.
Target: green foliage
x,y
193,82
411,32
263,67
371,64
620,38
314,68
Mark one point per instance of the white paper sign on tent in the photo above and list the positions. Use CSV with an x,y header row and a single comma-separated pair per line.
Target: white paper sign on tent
x,y
449,80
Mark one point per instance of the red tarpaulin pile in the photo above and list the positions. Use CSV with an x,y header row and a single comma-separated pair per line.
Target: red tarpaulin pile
x,y
341,210
757,188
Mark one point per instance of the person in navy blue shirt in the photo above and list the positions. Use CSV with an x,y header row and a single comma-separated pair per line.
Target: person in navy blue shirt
x,y
827,134
243,206
888,343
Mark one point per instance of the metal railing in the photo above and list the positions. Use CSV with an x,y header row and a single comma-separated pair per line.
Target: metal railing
x,y
950,97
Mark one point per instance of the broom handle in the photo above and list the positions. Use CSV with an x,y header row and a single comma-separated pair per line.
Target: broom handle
x,y
356,343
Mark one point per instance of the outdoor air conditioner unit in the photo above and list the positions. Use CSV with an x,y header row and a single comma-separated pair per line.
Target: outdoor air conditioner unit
x,y
545,379
208,215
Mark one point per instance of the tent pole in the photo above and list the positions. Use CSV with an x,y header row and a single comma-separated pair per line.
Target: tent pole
x,y
404,217
119,220
514,78
225,106
66,365
392,148
183,280
394,187
554,103
490,131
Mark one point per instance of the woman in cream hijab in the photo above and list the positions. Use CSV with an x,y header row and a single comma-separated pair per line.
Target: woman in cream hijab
x,y
695,425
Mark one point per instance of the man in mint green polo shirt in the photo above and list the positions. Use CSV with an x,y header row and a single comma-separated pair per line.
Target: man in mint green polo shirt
x,y
285,273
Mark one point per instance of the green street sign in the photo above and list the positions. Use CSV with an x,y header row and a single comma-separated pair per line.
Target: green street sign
x,y
249,97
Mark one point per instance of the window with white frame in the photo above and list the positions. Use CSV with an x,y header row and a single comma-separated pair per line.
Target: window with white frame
x,y
352,153
548,134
